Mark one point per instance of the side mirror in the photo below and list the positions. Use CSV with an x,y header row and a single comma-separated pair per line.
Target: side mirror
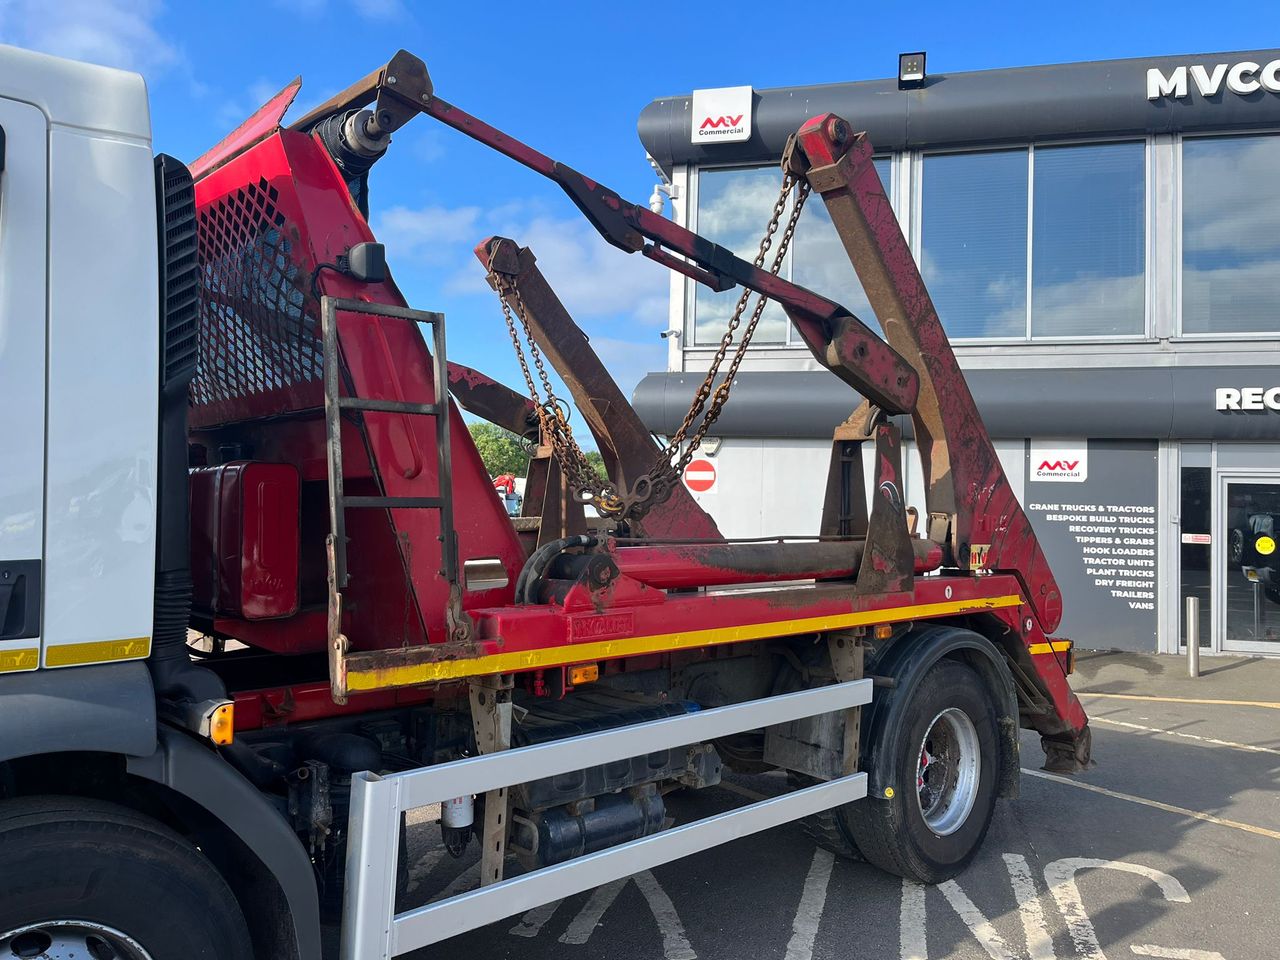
x,y
366,262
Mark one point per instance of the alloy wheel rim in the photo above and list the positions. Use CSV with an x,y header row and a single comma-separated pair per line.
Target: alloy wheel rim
x,y
69,940
948,770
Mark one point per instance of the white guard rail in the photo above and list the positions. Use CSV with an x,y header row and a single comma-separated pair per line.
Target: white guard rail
x,y
372,930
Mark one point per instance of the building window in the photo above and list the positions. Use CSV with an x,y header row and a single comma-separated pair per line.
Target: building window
x,y
819,260
1088,246
733,208
973,240
1085,250
1230,235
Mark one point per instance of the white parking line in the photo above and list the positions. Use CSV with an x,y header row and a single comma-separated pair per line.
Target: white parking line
x,y
913,941
588,918
1269,704
1174,953
976,921
1213,741
675,944
1060,877
804,928
1030,911
1167,807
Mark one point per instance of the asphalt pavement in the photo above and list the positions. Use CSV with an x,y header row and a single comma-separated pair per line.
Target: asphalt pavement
x,y
1169,847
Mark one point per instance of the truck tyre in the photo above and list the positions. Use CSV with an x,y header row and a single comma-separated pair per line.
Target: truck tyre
x,y
91,880
944,760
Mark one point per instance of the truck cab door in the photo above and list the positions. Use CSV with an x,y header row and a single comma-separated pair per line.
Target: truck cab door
x,y
23,322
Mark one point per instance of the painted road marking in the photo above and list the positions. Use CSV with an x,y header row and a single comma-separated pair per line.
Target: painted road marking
x,y
976,921
1060,877
1269,704
1167,807
1213,741
675,942
531,923
1174,953
1030,911
584,924
913,941
804,928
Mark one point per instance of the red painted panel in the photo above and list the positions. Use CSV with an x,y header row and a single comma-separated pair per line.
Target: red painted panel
x,y
244,539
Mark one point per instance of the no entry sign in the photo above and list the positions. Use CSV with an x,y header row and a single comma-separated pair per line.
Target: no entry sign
x,y
700,476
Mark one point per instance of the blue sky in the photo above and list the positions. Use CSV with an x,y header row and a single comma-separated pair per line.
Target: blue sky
x,y
570,78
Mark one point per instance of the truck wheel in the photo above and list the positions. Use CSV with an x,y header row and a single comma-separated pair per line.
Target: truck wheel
x,y
94,881
944,761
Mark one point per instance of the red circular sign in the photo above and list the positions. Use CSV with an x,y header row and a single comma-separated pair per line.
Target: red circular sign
x,y
700,476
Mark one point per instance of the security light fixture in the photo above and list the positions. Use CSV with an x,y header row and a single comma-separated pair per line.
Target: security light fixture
x,y
910,70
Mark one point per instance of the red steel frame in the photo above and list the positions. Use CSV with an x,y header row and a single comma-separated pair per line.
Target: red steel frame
x,y
1000,575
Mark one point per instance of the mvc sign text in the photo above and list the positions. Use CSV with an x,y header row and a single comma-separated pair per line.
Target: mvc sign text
x,y
1239,78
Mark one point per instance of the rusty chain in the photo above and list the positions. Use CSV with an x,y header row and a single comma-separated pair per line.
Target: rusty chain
x,y
585,484
656,485
664,474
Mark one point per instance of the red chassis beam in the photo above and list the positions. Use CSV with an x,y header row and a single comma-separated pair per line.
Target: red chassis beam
x,y
630,619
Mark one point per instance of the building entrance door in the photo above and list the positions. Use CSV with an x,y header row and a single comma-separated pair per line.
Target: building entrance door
x,y
1248,574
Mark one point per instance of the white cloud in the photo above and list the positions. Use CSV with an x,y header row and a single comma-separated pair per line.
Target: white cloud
x,y
1224,210
435,235
115,33
620,300
236,110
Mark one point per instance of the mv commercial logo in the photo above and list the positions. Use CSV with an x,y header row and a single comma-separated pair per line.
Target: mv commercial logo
x,y
722,115
1241,78
1058,462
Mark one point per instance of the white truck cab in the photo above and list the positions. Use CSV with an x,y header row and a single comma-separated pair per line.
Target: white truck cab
x,y
78,363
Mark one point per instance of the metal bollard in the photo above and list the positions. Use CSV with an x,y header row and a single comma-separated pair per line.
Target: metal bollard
x,y
1193,636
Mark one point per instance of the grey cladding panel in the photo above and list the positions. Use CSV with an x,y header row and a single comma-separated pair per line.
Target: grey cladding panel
x,y
1020,105
1099,402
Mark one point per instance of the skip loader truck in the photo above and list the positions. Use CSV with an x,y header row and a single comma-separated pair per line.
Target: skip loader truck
x,y
259,599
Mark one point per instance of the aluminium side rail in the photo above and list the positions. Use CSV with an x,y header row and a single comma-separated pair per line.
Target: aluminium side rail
x,y
372,930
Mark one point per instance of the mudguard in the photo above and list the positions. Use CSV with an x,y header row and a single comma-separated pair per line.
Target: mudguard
x,y
107,708
197,772
905,661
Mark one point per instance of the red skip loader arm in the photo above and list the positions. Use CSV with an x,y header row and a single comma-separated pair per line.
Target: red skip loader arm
x,y
974,515
966,486
972,507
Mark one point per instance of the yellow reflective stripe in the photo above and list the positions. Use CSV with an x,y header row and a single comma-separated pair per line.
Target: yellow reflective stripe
x,y
11,660
96,651
1053,646
410,674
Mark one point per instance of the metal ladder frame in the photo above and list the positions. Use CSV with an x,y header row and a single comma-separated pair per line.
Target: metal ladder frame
x,y
334,404
373,930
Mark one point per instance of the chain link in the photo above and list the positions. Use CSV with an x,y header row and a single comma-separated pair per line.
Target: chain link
x,y
585,483
664,474
656,485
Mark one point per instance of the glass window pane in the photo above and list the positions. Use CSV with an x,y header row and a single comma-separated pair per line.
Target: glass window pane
x,y
733,209
820,262
1230,235
973,223
1088,247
